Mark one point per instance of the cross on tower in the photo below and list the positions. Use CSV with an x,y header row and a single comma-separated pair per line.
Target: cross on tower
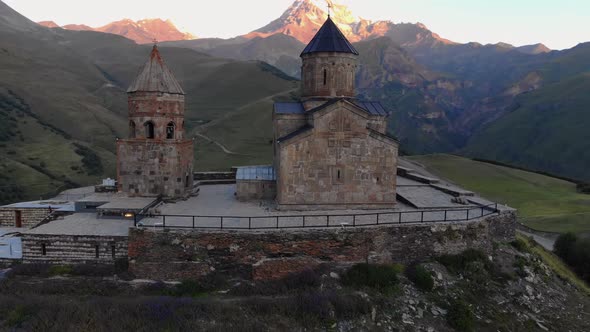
x,y
329,6
155,42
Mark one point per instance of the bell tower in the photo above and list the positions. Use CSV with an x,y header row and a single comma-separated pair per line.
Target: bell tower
x,y
156,159
329,65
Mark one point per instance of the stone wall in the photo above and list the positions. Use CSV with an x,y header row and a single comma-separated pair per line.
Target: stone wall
x,y
29,217
73,249
176,255
153,168
339,164
328,74
255,190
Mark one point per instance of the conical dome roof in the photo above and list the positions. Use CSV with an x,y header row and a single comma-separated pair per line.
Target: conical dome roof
x,y
329,39
156,77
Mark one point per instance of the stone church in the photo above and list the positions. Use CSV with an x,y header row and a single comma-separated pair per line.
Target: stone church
x,y
156,159
332,150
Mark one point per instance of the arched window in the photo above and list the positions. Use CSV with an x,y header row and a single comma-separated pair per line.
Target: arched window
x,y
170,130
131,129
149,130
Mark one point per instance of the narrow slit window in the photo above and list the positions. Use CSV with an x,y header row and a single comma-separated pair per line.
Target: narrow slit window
x,y
131,129
96,250
113,251
170,130
149,130
338,174
325,76
43,249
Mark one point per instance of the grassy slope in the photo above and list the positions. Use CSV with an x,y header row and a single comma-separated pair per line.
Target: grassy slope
x,y
556,264
549,131
544,203
62,87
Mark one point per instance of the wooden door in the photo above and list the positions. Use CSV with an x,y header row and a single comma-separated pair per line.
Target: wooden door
x,y
18,219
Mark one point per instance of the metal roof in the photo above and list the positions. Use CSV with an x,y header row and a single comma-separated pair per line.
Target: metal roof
x,y
297,132
266,173
289,108
156,77
372,107
329,39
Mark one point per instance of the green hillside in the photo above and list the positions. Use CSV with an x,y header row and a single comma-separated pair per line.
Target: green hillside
x,y
63,102
547,130
543,202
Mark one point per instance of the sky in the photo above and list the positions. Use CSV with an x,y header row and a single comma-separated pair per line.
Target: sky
x,y
558,24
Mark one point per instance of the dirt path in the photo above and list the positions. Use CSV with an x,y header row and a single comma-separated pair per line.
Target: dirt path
x,y
198,131
221,146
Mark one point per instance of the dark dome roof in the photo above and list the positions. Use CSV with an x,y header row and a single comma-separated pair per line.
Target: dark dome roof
x,y
329,39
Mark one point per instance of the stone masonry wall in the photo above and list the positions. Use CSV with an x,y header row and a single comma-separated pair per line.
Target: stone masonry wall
x,y
340,165
29,217
176,255
151,168
71,249
248,190
328,74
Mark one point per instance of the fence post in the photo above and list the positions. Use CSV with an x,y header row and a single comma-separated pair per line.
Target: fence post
x,y
328,221
193,221
467,217
354,220
399,219
422,217
445,215
164,221
221,222
134,220
249,222
378,215
482,211
303,221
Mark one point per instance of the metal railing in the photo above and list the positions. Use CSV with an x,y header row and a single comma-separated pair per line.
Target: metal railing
x,y
312,220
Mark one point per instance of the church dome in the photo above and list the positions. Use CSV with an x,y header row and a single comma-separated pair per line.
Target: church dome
x,y
329,39
156,77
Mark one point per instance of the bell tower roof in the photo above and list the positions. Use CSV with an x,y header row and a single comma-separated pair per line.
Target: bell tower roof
x,y
329,39
156,77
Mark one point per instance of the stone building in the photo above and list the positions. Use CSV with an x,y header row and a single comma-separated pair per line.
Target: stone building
x,y
156,159
332,150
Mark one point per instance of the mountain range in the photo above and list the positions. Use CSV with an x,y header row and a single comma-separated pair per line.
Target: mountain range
x,y
524,105
142,31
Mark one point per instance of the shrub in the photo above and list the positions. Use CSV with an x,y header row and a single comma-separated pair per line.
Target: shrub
x,y
59,270
583,188
304,280
520,245
461,261
575,252
17,316
460,316
93,270
380,277
564,245
189,287
421,277
31,269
